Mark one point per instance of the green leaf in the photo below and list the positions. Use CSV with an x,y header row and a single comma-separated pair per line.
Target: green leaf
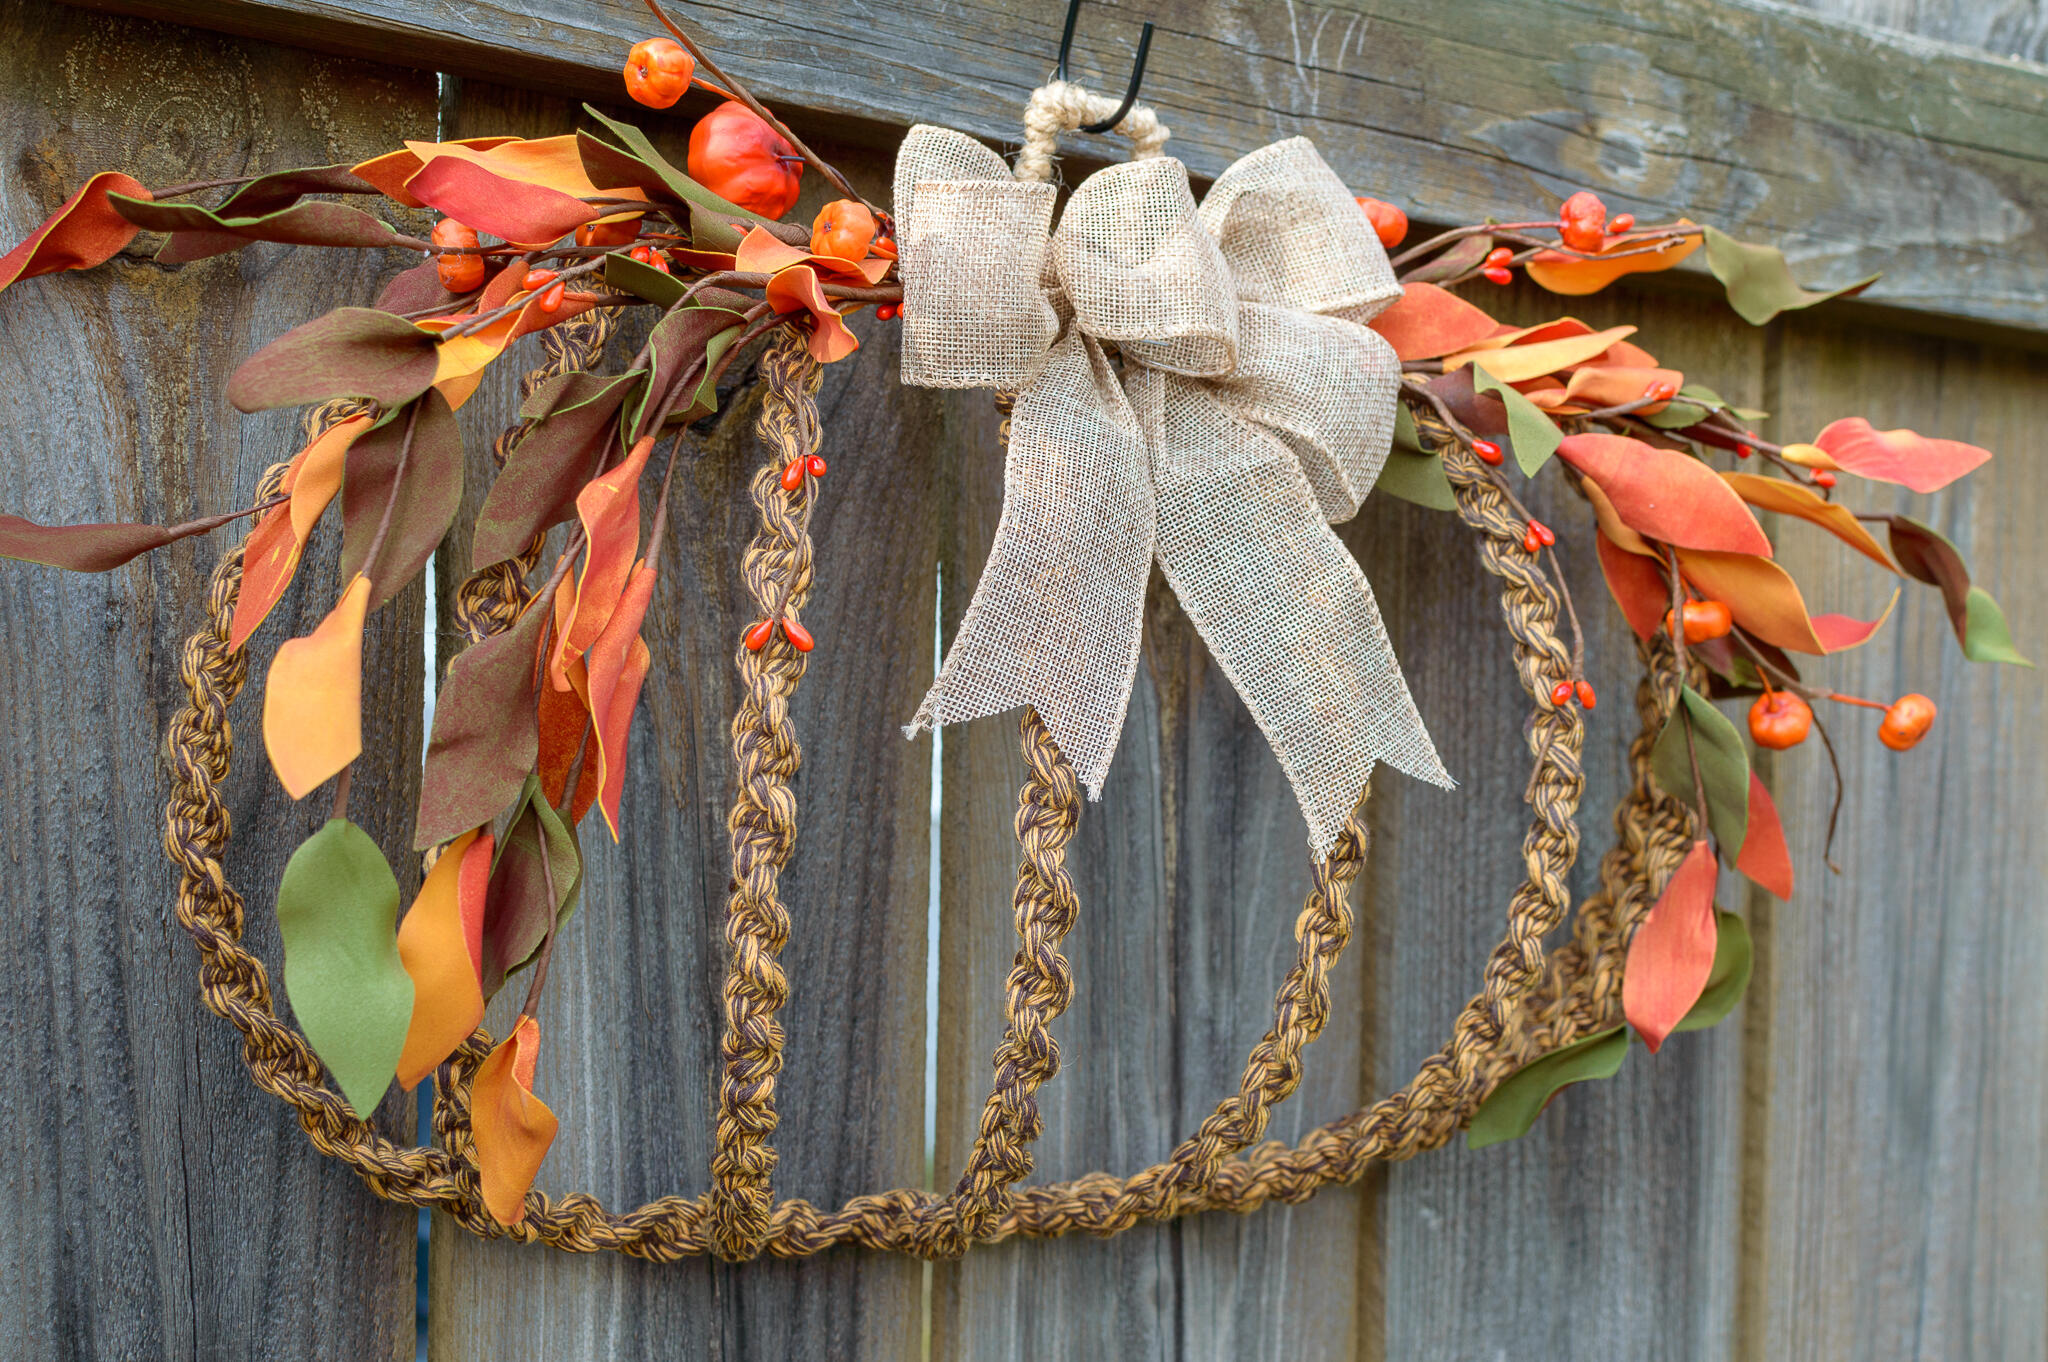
x,y
1677,415
1512,1108
350,352
1406,436
1760,283
1728,980
516,916
1418,478
337,909
1986,637
628,275
427,496
1723,764
1533,435
679,340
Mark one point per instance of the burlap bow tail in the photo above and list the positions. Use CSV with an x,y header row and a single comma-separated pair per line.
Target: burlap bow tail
x,y
1254,410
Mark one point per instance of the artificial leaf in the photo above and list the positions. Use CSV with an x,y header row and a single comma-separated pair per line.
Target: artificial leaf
x,y
762,252
1762,596
84,231
1519,363
1728,980
1611,525
679,184
420,497
337,910
313,697
1618,256
797,289
433,945
512,1128
1666,495
350,352
609,508
1927,555
1511,1109
1790,498
1613,385
417,291
1838,633
1898,456
270,558
558,453
198,233
1637,586
1764,857
1760,283
679,341
1418,478
85,548
388,173
530,892
627,275
1483,414
1722,760
563,721
460,361
1558,328
519,212
617,664
1671,955
484,739
1461,257
1986,636
282,188
1533,436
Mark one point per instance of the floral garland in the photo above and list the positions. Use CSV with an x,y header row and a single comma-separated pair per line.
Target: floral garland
x,y
532,723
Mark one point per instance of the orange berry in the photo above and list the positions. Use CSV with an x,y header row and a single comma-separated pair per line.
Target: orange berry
x,y
1561,694
608,233
844,229
1582,221
1824,478
1389,223
658,72
798,636
459,273
758,636
793,475
1622,222
1906,722
1487,450
1779,719
1586,695
738,157
1704,620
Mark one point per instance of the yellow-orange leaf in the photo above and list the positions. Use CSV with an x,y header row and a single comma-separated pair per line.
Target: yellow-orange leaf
x,y
460,361
1518,363
513,1128
1611,524
271,557
448,997
390,171
1790,498
1763,597
1611,385
313,699
1561,273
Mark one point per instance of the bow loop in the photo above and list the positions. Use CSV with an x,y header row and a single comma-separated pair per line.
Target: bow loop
x,y
1295,237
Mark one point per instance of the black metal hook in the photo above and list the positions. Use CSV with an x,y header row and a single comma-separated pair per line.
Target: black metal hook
x,y
1137,68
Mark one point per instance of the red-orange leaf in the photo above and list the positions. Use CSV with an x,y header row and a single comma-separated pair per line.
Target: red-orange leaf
x,y
762,252
614,681
513,1128
1672,952
1763,597
271,557
448,997
1426,322
1839,632
1637,586
1561,273
1666,495
1529,359
390,171
564,724
523,214
1765,858
609,507
83,232
313,697
796,289
1900,456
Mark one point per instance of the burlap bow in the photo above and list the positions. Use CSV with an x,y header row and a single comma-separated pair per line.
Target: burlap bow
x,y
1254,410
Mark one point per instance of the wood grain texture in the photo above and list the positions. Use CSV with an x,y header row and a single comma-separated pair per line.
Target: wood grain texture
x,y
632,1017
1855,151
2006,28
153,1203
1610,1229
1903,1190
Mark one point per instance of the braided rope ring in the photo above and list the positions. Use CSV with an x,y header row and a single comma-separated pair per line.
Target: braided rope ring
x,y
1527,1003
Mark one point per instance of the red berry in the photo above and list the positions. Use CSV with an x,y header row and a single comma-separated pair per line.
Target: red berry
x,y
1661,392
658,72
793,475
758,636
552,299
1487,450
1581,221
1586,695
888,312
1743,451
1824,478
1544,534
1531,542
1561,694
798,636
1495,274
1623,222
538,279
1499,257
816,466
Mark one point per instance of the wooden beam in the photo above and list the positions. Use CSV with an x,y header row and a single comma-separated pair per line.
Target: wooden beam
x,y
1855,151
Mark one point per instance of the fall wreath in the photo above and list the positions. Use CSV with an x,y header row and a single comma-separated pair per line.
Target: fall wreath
x,y
1207,385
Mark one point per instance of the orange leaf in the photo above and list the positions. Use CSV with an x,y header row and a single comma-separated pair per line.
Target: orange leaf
x,y
762,252
1610,385
1765,858
1790,498
1764,598
313,698
1620,535
390,171
564,723
448,997
461,360
1901,456
1672,952
1561,273
609,507
612,693
1517,363
1427,321
513,1128
1638,588
797,288
1666,495
271,557
84,231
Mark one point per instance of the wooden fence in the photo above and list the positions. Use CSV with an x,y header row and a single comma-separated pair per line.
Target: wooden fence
x,y
1853,1167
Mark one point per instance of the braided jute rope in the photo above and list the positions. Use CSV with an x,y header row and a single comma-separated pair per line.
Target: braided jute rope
x,y
1527,1003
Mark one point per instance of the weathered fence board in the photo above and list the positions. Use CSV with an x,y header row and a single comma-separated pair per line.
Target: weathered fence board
x,y
153,1202
1858,154
632,1015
